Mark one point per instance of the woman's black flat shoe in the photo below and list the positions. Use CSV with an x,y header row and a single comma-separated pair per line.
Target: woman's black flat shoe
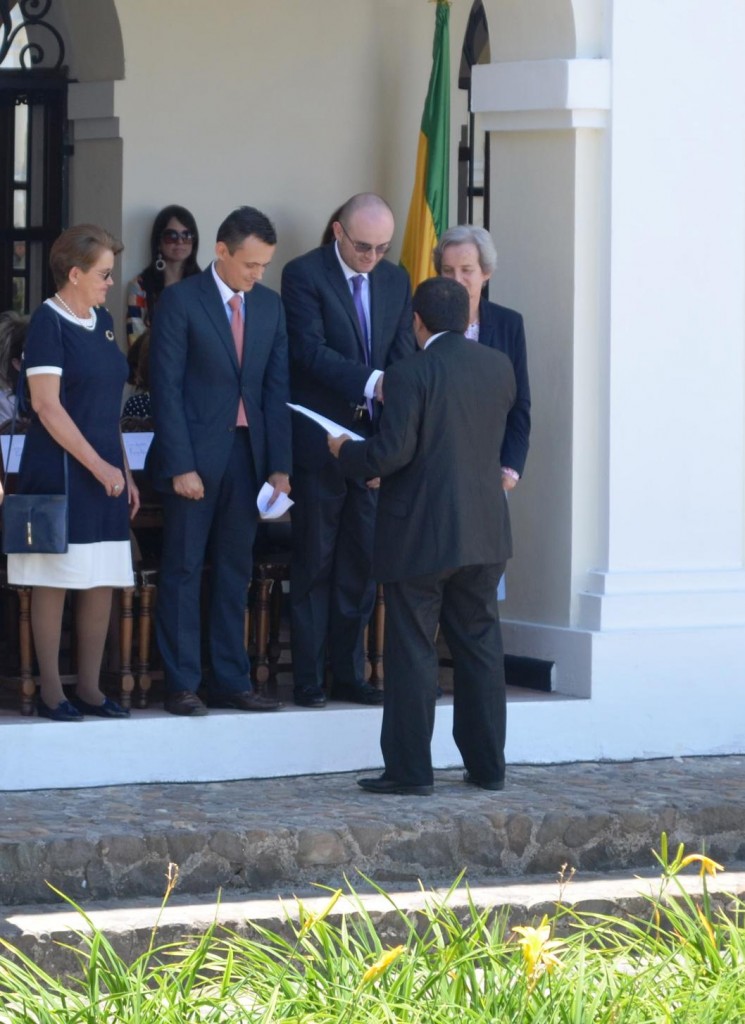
x,y
64,712
109,708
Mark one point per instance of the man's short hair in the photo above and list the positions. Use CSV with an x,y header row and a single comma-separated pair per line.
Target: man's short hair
x,y
241,223
442,304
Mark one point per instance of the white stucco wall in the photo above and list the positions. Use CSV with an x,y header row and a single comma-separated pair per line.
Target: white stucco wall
x,y
282,104
618,208
635,552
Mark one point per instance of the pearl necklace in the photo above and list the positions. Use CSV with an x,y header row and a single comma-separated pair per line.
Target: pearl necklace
x,y
87,321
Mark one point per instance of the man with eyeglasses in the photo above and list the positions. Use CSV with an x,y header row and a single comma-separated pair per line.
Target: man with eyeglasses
x,y
348,318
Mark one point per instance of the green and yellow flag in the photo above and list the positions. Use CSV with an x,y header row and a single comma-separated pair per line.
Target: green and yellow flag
x,y
428,211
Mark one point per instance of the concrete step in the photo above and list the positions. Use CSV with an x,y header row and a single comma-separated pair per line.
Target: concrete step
x,y
279,835
50,935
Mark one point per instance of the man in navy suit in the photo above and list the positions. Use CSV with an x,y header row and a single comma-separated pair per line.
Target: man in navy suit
x,y
348,318
442,538
219,387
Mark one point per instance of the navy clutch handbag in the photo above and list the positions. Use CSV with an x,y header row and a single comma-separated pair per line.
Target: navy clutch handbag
x,y
35,524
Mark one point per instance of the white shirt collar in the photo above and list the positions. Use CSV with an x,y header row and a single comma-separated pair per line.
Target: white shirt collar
x,y
226,292
429,341
348,272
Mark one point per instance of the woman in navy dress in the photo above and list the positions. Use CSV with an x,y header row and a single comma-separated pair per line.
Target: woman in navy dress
x,y
75,374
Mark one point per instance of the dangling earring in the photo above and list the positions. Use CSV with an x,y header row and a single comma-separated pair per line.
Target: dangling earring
x,y
160,263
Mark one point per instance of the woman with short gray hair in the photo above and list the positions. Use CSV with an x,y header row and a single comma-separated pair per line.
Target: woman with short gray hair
x,y
467,254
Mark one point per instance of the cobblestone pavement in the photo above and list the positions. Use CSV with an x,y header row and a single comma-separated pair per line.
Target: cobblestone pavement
x,y
280,834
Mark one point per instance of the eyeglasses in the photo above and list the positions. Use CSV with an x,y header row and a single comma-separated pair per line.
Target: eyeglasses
x,y
106,275
173,237
365,247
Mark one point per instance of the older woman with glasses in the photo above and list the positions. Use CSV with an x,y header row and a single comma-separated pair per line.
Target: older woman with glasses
x,y
468,255
75,372
174,242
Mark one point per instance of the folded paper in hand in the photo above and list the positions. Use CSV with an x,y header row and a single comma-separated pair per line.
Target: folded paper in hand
x,y
280,506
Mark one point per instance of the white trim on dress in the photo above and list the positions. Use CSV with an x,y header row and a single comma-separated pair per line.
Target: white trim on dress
x,y
104,563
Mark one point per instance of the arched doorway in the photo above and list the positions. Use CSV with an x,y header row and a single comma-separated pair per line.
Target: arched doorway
x,y
63,163
33,114
473,146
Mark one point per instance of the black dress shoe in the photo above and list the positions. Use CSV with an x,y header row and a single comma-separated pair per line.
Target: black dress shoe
x,y
359,693
493,784
310,697
64,712
247,700
380,784
109,708
184,702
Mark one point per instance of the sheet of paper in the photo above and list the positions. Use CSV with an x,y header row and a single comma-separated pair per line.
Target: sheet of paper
x,y
280,506
328,425
136,446
12,463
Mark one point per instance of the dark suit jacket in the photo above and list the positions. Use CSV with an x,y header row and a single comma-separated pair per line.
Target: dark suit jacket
x,y
503,329
195,382
441,503
327,361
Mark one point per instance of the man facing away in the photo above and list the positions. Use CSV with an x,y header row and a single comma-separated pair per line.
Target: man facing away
x,y
219,386
348,318
442,538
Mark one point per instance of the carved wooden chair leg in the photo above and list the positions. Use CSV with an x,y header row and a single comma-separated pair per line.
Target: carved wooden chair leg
x,y
144,679
26,651
275,622
248,622
261,670
378,634
127,680
366,648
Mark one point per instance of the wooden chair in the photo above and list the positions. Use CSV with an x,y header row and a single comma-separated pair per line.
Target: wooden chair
x,y
21,622
272,555
147,530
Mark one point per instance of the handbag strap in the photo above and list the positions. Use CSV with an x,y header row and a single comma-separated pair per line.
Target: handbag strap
x,y
16,405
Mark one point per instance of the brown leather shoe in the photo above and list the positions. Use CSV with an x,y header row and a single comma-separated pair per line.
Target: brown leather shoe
x,y
248,700
184,702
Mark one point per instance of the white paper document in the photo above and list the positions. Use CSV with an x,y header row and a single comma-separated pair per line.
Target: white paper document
x,y
280,506
136,446
328,425
12,462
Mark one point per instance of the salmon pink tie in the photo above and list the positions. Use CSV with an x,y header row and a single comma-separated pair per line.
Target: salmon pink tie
x,y
236,326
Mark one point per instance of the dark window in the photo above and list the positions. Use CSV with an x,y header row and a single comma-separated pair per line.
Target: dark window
x,y
33,111
473,150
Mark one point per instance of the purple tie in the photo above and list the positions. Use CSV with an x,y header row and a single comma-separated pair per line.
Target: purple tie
x,y
357,296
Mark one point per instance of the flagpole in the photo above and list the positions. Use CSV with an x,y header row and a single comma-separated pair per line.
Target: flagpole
x,y
428,209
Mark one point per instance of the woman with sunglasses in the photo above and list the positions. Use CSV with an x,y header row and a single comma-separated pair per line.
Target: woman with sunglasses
x,y
174,242
74,374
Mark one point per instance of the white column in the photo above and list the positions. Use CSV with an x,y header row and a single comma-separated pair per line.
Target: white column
x,y
626,254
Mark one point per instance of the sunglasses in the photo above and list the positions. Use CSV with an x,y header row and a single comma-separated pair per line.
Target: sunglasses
x,y
365,247
173,237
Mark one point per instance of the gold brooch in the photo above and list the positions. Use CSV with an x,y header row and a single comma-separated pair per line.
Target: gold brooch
x,y
109,335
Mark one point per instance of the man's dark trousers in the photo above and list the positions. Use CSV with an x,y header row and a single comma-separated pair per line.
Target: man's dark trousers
x,y
464,602
220,528
333,592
